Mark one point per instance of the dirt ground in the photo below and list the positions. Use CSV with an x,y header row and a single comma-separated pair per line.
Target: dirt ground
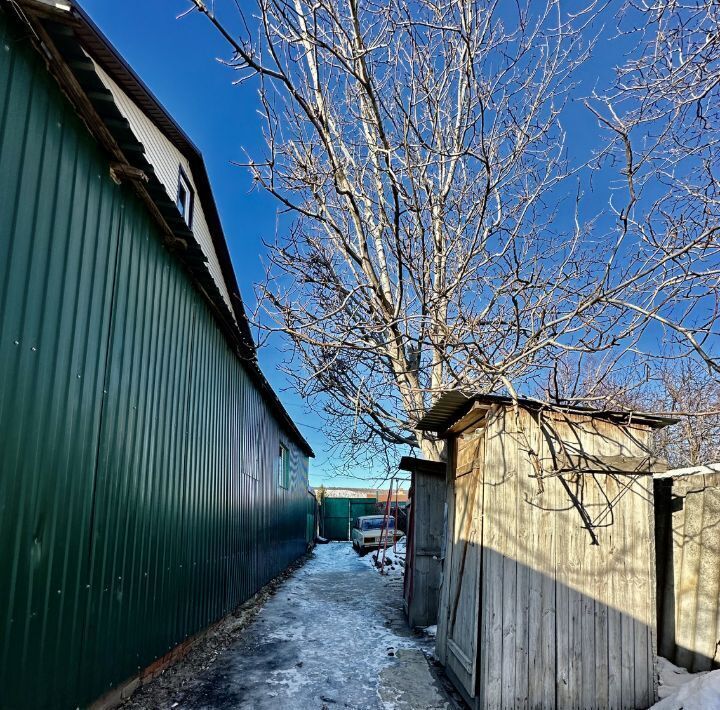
x,y
329,634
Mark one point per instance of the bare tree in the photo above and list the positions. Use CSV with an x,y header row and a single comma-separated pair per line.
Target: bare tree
x,y
437,238
678,388
694,395
663,118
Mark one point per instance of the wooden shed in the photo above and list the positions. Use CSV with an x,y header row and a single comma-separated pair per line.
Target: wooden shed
x,y
426,528
548,590
687,534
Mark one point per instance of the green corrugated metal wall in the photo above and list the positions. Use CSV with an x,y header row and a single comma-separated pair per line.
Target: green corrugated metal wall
x,y
138,497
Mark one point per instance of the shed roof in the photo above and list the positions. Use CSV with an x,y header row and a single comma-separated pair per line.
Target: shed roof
x,y
413,464
64,33
702,470
455,403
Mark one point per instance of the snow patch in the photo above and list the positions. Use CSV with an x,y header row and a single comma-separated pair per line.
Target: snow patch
x,y
680,690
290,679
430,631
348,493
394,559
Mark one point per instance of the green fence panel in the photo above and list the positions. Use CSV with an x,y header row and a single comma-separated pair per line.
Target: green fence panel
x,y
363,507
338,513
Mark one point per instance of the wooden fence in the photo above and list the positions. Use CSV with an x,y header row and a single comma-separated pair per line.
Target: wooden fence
x,y
688,569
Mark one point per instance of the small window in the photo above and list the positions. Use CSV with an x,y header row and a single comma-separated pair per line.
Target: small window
x,y
283,467
185,197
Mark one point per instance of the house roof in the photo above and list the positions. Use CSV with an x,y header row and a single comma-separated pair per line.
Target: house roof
x,y
63,33
455,403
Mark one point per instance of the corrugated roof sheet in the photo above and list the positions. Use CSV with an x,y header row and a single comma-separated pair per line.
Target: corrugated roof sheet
x,y
453,404
702,470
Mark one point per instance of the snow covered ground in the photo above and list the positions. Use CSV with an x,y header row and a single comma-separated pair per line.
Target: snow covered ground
x,y
680,690
346,493
394,559
332,636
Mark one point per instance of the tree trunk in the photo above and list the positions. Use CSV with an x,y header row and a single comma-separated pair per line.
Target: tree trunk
x,y
431,449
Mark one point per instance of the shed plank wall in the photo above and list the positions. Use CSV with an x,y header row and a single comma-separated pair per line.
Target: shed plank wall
x,y
563,622
689,608
133,510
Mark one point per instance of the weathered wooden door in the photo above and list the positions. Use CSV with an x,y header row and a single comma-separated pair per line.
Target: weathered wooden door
x,y
464,597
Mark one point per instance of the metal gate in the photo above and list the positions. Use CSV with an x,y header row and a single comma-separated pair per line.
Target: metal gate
x,y
338,513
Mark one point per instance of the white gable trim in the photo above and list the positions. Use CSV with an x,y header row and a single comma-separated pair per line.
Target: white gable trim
x,y
166,160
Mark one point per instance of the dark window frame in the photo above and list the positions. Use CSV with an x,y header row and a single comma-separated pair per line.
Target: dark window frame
x,y
283,466
185,184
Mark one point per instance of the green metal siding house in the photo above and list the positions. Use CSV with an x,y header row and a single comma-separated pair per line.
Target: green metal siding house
x,y
150,479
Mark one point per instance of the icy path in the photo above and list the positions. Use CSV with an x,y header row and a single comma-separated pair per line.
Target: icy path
x,y
332,637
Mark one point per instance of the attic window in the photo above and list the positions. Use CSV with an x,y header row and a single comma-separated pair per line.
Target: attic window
x,y
185,197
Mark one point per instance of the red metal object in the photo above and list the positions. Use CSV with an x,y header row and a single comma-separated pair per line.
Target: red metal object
x,y
397,485
385,527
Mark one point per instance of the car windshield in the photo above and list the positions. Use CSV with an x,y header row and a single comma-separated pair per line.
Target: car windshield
x,y
376,523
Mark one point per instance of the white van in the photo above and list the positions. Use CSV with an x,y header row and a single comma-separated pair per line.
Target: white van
x,y
368,529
